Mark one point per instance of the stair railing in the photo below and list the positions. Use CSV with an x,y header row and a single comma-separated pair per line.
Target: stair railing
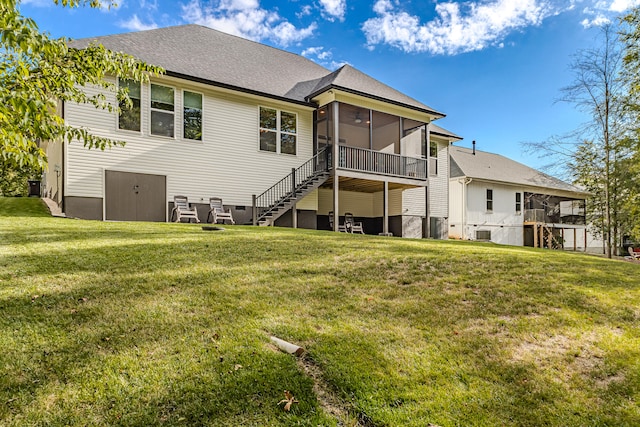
x,y
287,187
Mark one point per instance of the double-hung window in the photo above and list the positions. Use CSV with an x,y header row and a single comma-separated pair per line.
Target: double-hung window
x,y
129,118
433,158
278,131
489,200
162,110
518,203
192,116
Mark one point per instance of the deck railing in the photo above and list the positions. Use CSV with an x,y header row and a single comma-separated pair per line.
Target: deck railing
x,y
287,186
543,216
377,162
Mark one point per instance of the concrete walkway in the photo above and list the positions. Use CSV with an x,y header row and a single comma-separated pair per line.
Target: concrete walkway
x,y
53,207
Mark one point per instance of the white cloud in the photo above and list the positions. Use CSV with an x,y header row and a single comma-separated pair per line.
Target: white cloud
x,y
318,52
334,8
134,24
245,18
598,21
456,29
623,5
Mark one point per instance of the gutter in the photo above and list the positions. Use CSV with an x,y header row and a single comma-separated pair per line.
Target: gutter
x,y
377,98
239,89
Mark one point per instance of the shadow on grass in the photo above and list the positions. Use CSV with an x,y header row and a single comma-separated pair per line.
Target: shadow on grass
x,y
134,325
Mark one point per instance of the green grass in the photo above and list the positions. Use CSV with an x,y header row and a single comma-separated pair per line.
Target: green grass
x,y
142,324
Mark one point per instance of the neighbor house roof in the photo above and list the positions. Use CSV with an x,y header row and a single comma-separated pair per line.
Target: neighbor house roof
x,y
497,168
199,53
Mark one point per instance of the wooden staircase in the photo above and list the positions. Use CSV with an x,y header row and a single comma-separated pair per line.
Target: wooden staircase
x,y
280,197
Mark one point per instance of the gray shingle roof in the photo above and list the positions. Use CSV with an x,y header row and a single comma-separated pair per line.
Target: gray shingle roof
x,y
353,80
217,58
203,54
494,167
440,131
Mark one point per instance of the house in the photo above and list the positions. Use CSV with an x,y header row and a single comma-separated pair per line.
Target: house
x,y
256,126
493,198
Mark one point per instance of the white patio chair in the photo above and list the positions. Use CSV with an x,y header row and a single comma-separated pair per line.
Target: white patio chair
x,y
182,209
217,212
352,225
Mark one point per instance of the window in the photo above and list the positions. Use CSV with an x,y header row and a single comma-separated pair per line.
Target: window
x,y
278,131
518,203
162,110
433,158
489,200
129,118
192,116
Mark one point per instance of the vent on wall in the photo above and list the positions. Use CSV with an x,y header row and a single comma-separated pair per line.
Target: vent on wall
x,y
483,235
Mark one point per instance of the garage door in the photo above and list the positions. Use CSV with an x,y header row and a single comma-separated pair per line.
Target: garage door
x,y
135,196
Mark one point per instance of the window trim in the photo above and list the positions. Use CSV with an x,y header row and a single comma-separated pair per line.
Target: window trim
x,y
162,111
433,160
278,130
489,200
118,128
201,116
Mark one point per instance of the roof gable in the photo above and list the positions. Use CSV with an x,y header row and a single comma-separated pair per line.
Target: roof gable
x,y
353,80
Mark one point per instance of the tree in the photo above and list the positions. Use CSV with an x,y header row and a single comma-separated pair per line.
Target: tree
x,y
37,71
630,36
595,153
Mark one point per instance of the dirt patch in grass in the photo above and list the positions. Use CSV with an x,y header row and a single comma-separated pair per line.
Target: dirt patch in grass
x,y
327,399
581,356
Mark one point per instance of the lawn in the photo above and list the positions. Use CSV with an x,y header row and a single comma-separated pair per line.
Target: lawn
x,y
144,324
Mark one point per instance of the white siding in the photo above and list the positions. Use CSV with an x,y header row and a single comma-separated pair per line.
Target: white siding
x,y
439,185
456,209
359,204
505,224
414,202
226,163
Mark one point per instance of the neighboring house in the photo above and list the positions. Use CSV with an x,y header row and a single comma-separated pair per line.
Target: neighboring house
x,y
236,119
493,198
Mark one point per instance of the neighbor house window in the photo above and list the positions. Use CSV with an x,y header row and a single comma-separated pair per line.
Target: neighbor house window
x,y
278,131
162,110
129,118
433,158
518,203
489,200
192,116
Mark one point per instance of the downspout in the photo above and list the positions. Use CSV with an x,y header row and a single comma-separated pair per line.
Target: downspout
x,y
64,167
465,182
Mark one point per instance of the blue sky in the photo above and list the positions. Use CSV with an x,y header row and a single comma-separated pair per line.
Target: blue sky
x,y
494,67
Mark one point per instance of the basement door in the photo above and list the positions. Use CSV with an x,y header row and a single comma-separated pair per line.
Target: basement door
x,y
135,196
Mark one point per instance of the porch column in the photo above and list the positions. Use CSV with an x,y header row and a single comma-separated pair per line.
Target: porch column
x,y
385,208
575,239
335,154
294,216
535,234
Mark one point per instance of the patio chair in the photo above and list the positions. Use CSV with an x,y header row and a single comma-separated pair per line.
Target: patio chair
x,y
634,252
352,225
182,209
217,212
341,227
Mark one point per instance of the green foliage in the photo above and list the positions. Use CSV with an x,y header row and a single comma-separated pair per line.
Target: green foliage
x,y
37,71
13,178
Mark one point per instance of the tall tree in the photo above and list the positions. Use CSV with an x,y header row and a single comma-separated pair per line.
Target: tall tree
x,y
37,71
593,155
597,161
